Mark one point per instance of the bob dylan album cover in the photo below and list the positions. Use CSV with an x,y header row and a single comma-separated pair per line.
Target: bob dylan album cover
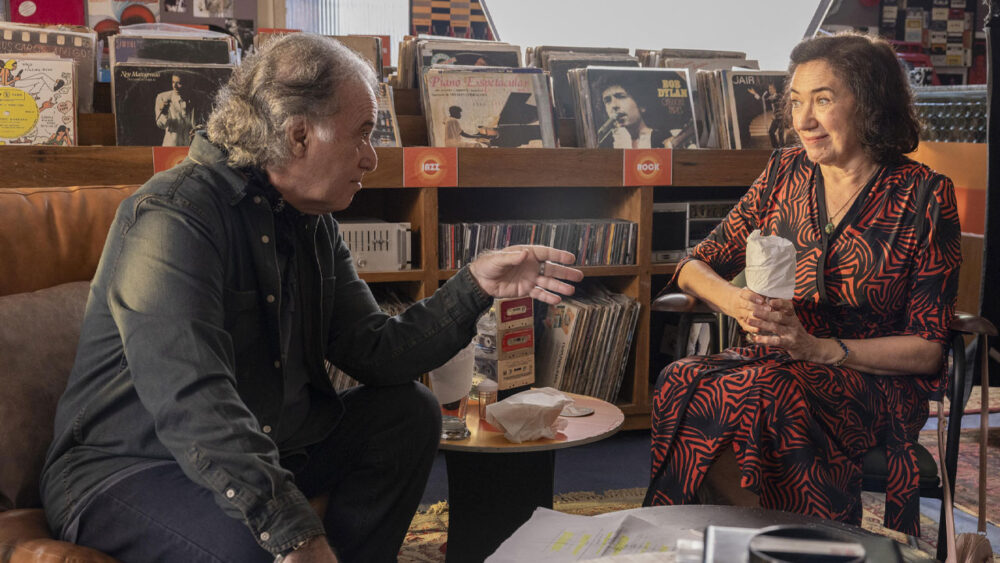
x,y
641,109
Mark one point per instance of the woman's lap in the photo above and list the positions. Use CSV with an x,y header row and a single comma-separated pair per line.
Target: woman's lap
x,y
798,430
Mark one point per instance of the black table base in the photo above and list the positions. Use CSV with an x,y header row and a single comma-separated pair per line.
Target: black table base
x,y
490,495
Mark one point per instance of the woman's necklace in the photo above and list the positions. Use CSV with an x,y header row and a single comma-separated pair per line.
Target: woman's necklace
x,y
829,222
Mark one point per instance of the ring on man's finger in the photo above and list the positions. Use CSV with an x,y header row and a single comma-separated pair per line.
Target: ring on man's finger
x,y
541,268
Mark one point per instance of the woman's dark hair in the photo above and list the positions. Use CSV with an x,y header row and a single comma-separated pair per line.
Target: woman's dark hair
x,y
885,119
455,111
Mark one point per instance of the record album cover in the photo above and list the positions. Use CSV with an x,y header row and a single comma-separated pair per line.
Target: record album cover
x,y
37,101
638,108
755,109
487,107
125,48
76,43
163,104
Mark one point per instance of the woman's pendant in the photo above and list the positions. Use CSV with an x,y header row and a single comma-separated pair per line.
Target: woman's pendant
x,y
829,228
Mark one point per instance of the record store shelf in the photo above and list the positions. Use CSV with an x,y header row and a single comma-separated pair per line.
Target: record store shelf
x,y
494,184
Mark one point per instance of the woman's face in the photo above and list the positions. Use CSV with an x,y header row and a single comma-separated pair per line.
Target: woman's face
x,y
621,106
823,114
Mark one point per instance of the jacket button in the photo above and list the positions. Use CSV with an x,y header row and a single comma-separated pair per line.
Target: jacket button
x,y
265,239
277,364
270,298
230,493
266,429
256,199
264,536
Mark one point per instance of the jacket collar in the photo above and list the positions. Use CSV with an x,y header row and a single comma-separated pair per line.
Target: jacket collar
x,y
213,157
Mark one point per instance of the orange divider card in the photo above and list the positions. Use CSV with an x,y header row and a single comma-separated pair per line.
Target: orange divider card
x,y
647,167
165,158
430,167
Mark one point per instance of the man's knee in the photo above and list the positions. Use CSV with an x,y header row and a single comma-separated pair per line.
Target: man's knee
x,y
412,409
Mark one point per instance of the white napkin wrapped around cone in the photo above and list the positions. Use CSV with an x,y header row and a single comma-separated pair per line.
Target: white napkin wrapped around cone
x,y
770,266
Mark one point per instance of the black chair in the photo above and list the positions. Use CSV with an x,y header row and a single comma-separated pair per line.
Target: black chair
x,y
875,466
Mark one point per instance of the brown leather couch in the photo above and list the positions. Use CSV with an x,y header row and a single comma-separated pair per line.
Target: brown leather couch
x,y
50,242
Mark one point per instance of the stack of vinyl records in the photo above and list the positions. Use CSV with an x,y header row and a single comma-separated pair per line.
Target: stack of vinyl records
x,y
594,242
419,53
585,340
662,57
386,133
743,109
559,60
392,303
164,79
21,41
633,108
696,60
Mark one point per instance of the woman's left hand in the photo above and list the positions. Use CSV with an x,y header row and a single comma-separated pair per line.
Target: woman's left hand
x,y
781,327
526,270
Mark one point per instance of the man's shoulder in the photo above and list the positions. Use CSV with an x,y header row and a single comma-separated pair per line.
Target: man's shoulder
x,y
188,187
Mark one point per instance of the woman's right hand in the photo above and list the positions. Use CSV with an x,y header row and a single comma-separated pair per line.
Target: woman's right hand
x,y
745,304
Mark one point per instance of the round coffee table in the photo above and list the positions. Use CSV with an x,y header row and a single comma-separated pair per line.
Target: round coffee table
x,y
494,485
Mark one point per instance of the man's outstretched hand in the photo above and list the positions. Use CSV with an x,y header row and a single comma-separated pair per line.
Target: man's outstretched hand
x,y
522,270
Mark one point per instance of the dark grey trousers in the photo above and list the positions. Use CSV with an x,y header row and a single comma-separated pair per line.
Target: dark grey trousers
x,y
374,465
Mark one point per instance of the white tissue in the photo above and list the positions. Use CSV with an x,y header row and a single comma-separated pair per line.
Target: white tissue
x,y
770,266
529,415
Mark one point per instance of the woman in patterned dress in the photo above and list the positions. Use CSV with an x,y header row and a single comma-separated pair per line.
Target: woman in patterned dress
x,y
849,362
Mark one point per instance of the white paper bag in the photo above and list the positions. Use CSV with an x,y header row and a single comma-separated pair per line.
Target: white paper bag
x,y
770,268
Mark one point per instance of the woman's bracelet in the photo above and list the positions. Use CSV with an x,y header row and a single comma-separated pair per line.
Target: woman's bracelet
x,y
847,352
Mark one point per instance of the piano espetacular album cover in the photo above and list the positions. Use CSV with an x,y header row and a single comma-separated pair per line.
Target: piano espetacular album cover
x,y
470,106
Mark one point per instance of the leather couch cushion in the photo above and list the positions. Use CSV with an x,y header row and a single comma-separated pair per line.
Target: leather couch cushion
x,y
24,538
38,338
50,236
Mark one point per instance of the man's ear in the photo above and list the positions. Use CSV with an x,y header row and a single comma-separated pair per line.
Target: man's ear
x,y
297,135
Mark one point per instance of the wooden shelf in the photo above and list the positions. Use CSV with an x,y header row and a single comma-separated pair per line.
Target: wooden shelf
x,y
493,184
390,277
44,166
663,269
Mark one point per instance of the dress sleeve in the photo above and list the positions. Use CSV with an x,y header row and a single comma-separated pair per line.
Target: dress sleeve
x,y
934,282
724,249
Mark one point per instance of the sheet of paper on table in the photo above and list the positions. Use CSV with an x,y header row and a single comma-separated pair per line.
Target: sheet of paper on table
x,y
553,536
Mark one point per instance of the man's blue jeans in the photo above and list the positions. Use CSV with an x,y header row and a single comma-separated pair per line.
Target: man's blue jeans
x,y
374,465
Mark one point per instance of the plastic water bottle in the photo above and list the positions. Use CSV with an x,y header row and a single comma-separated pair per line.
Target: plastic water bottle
x,y
485,351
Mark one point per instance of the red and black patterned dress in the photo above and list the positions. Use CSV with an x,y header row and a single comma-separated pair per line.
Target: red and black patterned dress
x,y
799,429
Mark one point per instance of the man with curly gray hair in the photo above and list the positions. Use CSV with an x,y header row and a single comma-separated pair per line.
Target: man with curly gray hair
x,y
199,423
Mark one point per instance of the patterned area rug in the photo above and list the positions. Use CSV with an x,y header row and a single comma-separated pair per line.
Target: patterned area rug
x,y
975,399
426,541
967,476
